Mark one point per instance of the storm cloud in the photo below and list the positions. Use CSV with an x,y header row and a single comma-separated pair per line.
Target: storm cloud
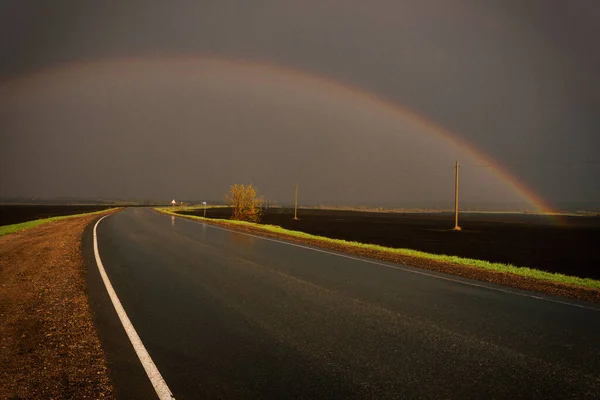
x,y
112,99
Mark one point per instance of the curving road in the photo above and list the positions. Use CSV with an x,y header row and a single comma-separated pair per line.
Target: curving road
x,y
234,316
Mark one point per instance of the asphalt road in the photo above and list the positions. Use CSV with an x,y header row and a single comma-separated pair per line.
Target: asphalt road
x,y
229,315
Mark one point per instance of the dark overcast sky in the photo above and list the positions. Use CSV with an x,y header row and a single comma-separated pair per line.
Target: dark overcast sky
x,y
519,80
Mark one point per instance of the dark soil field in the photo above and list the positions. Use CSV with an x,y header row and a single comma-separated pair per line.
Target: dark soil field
x,y
14,214
571,247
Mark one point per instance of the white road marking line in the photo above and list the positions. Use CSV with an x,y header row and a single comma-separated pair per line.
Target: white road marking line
x,y
398,267
160,386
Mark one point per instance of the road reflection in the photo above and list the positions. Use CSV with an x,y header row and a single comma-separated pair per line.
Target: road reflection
x,y
241,241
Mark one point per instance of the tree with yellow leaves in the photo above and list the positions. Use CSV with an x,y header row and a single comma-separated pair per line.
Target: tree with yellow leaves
x,y
246,205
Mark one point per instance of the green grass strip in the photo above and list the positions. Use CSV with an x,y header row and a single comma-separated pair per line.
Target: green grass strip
x,y
471,262
7,229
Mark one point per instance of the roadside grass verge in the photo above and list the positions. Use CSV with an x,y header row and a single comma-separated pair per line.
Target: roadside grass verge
x,y
7,229
468,262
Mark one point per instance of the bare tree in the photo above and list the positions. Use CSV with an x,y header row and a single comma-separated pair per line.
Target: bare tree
x,y
247,206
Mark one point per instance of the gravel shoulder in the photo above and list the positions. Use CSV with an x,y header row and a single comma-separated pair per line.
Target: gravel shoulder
x,y
49,345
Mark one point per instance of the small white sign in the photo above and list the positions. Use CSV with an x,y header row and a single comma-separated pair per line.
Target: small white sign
x,y
173,202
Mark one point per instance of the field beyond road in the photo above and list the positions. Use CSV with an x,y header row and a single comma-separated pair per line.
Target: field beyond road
x,y
523,240
49,346
17,213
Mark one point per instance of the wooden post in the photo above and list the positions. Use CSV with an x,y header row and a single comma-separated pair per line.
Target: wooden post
x,y
296,203
456,227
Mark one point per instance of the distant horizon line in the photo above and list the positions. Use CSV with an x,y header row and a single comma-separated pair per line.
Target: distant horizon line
x,y
561,207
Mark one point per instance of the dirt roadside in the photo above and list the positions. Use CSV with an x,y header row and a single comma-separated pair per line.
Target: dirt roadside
x,y
49,346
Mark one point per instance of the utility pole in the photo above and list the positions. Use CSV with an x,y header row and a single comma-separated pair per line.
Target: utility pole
x,y
296,203
456,227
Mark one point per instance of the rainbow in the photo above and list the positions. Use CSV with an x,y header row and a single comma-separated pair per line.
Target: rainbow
x,y
276,73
